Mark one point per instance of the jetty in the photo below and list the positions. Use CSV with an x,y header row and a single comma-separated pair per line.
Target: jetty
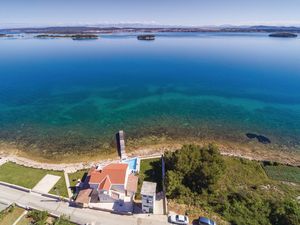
x,y
120,137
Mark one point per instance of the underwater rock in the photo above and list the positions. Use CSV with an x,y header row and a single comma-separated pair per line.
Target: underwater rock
x,y
260,138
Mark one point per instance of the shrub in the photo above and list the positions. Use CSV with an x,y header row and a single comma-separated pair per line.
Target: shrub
x,y
63,220
286,212
38,217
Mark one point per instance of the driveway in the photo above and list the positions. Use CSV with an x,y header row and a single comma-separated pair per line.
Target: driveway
x,y
77,215
46,183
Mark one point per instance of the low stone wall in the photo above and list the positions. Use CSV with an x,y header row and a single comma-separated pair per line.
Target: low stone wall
x,y
69,168
109,210
55,197
17,187
27,190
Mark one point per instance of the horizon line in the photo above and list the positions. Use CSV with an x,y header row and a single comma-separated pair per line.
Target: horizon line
x,y
142,25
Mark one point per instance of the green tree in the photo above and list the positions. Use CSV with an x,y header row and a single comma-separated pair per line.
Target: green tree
x,y
193,169
173,182
286,212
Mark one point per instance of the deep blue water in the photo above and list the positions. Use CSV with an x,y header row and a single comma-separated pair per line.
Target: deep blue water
x,y
65,95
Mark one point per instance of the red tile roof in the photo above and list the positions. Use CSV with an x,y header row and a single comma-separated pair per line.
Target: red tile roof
x,y
132,183
105,184
115,171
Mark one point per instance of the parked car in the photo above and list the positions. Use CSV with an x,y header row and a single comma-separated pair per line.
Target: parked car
x,y
206,221
179,219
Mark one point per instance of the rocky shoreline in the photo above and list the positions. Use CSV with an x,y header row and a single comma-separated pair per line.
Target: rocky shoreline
x,y
150,152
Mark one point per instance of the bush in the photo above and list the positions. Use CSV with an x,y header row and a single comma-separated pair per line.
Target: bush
x,y
244,208
287,212
63,220
38,217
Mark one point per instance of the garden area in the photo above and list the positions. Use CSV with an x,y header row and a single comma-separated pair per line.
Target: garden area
x,y
150,170
28,177
10,215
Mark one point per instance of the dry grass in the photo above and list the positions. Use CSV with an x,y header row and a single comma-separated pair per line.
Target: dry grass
x,y
11,215
194,213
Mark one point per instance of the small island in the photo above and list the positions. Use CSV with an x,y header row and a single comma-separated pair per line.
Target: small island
x,y
149,37
6,35
73,36
283,35
85,37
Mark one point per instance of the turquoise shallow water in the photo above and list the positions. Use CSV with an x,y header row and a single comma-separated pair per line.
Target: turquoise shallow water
x,y
63,95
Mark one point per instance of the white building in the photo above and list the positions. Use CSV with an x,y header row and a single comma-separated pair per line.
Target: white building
x,y
148,193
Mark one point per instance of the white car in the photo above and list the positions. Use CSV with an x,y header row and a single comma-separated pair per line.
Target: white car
x,y
179,219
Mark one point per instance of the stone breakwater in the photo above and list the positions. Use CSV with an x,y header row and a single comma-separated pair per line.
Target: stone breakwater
x,y
67,167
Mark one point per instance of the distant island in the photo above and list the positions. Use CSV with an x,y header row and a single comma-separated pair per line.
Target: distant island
x,y
283,35
149,37
71,30
6,35
73,36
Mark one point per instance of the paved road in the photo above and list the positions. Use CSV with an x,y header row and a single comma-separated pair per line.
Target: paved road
x,y
78,215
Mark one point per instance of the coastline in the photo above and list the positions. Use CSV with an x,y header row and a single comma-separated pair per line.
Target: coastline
x,y
74,162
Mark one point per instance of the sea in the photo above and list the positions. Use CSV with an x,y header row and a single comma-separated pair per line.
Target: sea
x,y
64,95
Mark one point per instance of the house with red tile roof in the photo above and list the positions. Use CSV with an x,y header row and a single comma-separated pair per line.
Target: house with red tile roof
x,y
110,184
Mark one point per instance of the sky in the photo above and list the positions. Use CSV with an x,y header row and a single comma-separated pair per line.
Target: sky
x,y
17,13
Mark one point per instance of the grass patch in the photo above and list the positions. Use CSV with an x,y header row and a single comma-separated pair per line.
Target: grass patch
x,y
241,173
74,177
29,177
150,170
10,215
60,187
283,173
78,175
25,221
